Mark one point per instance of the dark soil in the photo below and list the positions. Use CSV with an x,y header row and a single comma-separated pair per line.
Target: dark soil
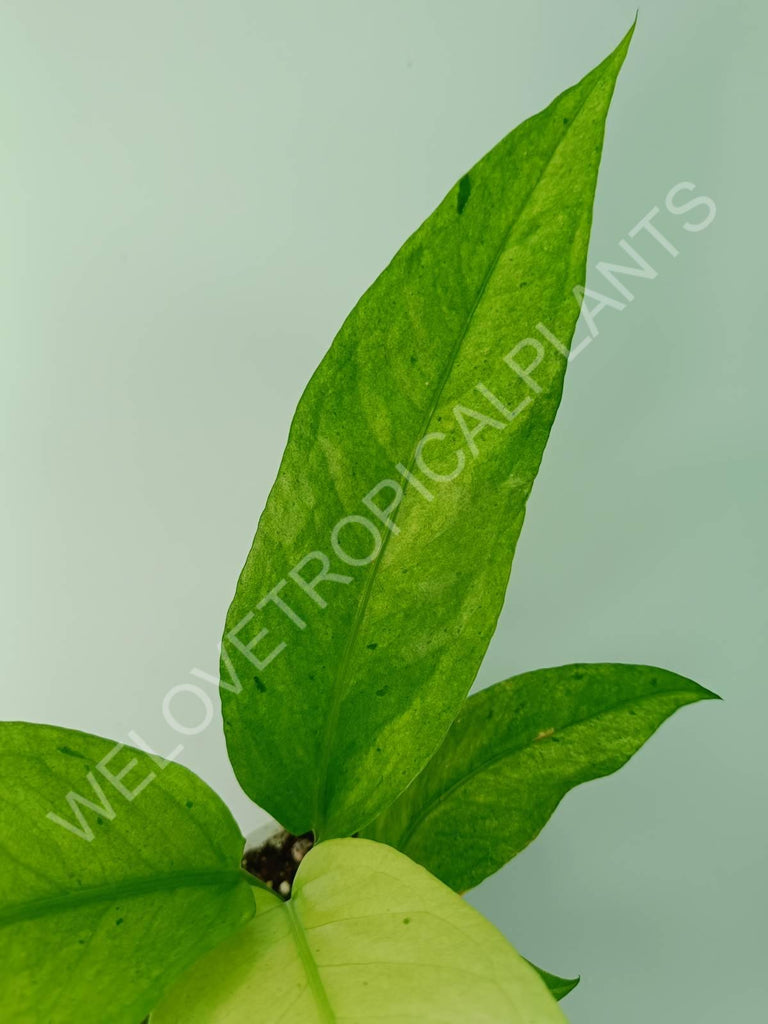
x,y
277,861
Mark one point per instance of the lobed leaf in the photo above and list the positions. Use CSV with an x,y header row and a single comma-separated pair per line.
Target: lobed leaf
x,y
514,752
382,557
366,936
94,929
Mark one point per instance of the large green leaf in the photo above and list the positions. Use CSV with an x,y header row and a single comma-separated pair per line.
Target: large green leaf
x,y
104,904
357,677
514,752
366,936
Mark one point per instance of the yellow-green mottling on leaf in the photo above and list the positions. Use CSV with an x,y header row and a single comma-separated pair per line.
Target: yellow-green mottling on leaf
x,y
387,623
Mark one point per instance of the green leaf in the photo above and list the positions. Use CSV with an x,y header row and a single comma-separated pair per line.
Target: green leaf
x,y
514,752
559,987
367,935
352,642
107,902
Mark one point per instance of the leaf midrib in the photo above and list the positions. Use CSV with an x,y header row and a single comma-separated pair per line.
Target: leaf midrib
x,y
331,720
445,794
309,964
129,888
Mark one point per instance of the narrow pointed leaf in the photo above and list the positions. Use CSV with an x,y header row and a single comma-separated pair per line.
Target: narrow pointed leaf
x,y
514,752
366,936
94,929
352,642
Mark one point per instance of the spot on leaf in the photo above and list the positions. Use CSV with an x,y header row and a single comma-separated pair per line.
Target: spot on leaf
x,y
544,735
465,187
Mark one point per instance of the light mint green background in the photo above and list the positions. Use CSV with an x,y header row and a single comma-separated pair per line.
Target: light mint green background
x,y
193,196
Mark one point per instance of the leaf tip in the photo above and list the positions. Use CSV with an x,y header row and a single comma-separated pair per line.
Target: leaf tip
x,y
569,984
710,694
611,65
624,44
701,692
